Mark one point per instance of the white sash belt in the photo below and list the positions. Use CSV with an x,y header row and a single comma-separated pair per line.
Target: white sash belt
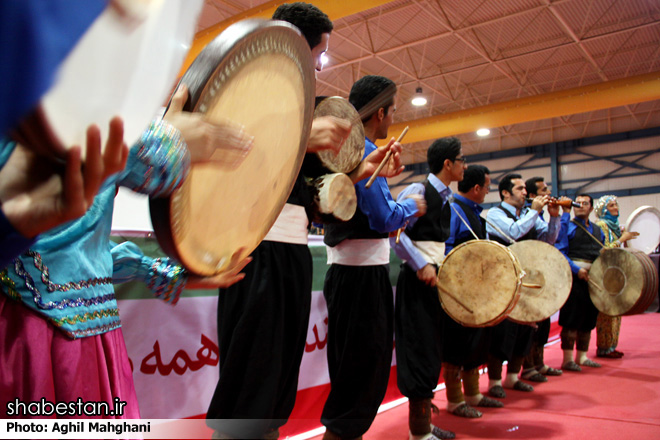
x,y
290,226
582,264
360,252
432,251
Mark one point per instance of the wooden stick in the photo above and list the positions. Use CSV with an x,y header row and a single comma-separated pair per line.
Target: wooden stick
x,y
595,284
452,296
385,159
532,286
399,231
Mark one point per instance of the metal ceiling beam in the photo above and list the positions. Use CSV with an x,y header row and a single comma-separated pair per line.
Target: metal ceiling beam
x,y
334,9
551,105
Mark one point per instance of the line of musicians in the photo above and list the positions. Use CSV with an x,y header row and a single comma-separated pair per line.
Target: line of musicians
x,y
262,319
273,301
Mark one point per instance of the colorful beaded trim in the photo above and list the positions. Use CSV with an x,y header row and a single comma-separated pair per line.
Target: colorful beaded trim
x,y
61,305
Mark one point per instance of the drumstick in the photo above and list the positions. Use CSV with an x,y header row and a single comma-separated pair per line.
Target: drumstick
x,y
595,284
399,231
385,159
532,286
452,296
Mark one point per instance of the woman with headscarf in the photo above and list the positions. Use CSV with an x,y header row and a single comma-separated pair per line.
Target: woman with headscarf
x,y
608,327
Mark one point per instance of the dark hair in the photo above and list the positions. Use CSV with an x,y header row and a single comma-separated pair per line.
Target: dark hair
x,y
440,150
506,184
367,88
474,175
530,185
311,21
591,200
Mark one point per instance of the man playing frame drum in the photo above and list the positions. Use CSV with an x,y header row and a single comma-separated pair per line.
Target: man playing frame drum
x,y
534,367
268,311
357,288
577,317
418,331
466,348
511,220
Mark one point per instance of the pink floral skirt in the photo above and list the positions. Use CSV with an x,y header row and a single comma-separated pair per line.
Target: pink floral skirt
x,y
37,362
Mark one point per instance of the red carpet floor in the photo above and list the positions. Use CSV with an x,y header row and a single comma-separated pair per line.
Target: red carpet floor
x,y
621,400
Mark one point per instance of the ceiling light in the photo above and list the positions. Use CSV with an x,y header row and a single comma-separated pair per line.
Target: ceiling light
x,y
483,132
419,99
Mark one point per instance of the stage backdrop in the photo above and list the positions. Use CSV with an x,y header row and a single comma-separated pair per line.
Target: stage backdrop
x,y
174,351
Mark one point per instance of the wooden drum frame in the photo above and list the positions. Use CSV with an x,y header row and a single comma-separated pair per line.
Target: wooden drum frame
x,y
260,74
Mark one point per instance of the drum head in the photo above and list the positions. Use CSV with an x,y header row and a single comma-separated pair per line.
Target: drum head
x,y
646,221
485,277
616,281
351,153
118,68
546,266
259,74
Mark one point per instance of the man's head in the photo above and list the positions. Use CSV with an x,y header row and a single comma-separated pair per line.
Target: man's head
x,y
512,190
475,184
586,206
312,22
364,91
536,186
446,160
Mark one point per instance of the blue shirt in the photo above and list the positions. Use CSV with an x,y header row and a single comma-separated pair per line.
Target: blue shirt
x,y
528,219
458,230
568,229
405,249
384,214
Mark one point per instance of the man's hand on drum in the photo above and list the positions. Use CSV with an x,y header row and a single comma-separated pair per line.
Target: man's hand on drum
x,y
222,143
226,278
583,274
37,194
427,275
369,165
328,133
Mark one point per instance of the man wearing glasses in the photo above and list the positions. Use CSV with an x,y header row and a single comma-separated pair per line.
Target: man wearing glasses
x,y
418,327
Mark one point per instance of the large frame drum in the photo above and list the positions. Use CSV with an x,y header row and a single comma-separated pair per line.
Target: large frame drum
x,y
479,283
548,270
623,282
646,221
259,74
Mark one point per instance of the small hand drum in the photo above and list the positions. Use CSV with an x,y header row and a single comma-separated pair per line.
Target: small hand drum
x,y
259,74
350,155
334,197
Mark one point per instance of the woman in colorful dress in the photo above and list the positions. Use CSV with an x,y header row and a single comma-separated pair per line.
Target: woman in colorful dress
x,y
608,327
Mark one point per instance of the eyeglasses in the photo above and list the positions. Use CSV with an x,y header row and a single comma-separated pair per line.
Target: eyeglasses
x,y
461,159
584,203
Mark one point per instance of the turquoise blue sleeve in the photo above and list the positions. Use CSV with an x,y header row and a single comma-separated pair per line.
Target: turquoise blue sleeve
x,y
163,276
158,163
